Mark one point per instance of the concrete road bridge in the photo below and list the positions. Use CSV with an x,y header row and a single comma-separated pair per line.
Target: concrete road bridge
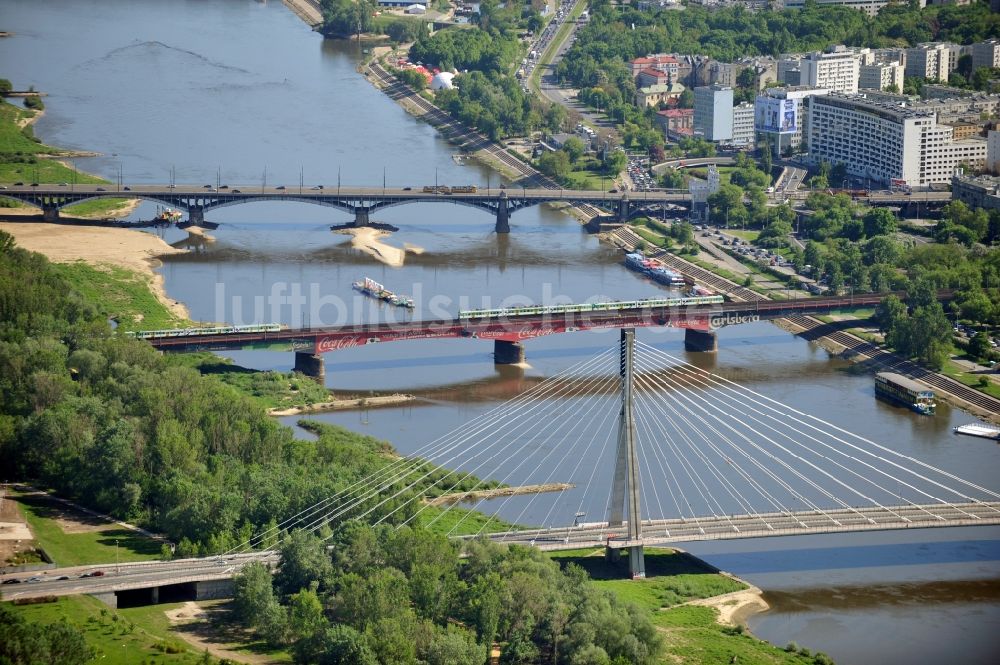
x,y
361,202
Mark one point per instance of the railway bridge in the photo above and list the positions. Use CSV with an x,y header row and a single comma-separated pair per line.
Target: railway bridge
x,y
509,329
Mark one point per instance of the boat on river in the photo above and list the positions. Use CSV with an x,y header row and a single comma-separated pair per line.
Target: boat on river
x,y
373,289
655,269
168,216
906,391
979,429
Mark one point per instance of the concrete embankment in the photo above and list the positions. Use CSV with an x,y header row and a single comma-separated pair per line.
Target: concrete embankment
x,y
345,404
495,492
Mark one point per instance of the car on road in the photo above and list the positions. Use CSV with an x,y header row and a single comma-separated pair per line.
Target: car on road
x,y
407,189
64,184
101,189
223,186
97,573
206,187
34,184
281,187
33,580
236,191
12,580
127,188
62,577
19,184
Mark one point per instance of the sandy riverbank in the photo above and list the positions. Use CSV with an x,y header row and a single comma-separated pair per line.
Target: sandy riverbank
x,y
126,248
344,404
368,240
736,607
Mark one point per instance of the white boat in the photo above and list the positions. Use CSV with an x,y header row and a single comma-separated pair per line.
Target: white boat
x,y
979,429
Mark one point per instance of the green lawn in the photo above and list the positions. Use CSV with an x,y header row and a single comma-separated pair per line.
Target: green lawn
x,y
121,294
958,373
693,637
747,236
73,549
446,520
98,208
44,171
652,238
14,139
120,637
671,577
271,389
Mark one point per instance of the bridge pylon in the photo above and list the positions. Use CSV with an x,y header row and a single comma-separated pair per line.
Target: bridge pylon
x,y
625,491
503,214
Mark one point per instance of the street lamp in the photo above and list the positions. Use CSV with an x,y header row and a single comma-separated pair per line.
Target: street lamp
x,y
117,568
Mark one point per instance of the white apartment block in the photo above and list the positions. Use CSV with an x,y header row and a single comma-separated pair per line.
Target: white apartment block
x,y
881,76
836,70
713,112
931,60
743,119
870,7
886,141
986,54
993,152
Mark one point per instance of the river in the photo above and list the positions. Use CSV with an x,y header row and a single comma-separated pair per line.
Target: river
x,y
228,89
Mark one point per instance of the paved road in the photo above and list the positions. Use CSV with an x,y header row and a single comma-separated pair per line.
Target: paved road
x,y
127,576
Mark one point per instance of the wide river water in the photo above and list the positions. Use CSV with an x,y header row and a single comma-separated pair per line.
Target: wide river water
x,y
207,89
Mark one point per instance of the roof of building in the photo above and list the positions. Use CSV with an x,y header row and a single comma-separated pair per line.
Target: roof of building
x,y
660,88
655,60
656,73
676,113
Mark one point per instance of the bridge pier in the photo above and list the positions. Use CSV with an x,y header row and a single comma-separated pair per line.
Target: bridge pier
x,y
361,216
310,364
503,214
625,489
50,213
700,340
623,209
507,353
196,216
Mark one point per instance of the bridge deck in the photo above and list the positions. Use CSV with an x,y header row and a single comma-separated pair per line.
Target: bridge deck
x,y
733,527
525,327
655,532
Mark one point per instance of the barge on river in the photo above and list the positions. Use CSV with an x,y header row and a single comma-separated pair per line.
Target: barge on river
x,y
905,391
373,289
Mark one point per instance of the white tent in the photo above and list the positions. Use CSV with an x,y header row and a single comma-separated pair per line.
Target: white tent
x,y
443,81
416,9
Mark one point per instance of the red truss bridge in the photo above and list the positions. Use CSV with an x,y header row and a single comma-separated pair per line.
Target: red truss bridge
x,y
700,317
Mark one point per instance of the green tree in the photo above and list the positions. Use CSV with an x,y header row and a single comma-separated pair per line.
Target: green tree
x,y
979,345
890,312
305,614
336,644
304,560
615,162
363,601
574,148
5,86
252,594
879,222
554,163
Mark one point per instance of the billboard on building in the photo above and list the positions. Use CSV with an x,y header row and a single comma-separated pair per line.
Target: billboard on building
x,y
776,116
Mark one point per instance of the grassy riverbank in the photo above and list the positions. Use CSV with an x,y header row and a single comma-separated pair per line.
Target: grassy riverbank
x,y
120,294
24,158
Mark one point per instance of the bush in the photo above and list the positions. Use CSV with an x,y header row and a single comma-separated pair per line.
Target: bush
x,y
34,102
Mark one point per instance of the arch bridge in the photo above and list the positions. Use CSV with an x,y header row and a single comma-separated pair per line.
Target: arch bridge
x,y
361,202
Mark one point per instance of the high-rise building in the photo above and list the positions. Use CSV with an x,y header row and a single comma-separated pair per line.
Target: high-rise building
x,y
881,76
986,54
887,142
837,70
713,112
784,132
931,60
743,119
993,152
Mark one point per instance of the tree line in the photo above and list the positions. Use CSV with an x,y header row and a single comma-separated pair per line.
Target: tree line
x,y
107,420
371,596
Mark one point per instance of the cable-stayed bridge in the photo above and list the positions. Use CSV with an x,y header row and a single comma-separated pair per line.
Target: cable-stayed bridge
x,y
646,449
